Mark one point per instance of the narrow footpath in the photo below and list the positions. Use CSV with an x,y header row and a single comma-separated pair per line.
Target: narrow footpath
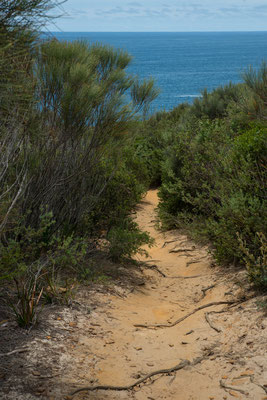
x,y
177,328
188,313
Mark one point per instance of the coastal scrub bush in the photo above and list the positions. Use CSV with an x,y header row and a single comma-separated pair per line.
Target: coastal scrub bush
x,y
214,104
62,151
214,179
126,240
256,265
84,117
256,81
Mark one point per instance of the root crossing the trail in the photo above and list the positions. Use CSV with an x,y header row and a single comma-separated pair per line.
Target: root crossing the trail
x,y
178,321
181,365
122,350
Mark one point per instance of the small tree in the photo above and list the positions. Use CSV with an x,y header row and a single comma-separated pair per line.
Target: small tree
x,y
20,22
84,110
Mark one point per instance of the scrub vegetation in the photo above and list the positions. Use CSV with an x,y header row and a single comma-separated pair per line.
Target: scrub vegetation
x,y
78,151
211,168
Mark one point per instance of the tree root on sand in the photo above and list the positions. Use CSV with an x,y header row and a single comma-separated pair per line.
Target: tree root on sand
x,y
222,384
215,303
211,323
206,289
23,350
177,367
156,268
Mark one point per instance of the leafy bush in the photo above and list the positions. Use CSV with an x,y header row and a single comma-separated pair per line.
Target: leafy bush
x,y
126,240
214,105
256,81
65,156
256,265
214,179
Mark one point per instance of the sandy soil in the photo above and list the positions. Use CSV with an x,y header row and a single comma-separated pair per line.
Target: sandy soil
x,y
111,337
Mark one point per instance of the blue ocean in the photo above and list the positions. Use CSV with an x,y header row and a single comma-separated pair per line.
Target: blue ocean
x,y
183,64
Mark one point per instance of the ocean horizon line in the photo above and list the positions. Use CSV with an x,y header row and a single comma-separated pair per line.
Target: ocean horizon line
x,y
61,31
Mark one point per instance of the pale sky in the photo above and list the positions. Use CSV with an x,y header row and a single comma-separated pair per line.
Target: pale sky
x,y
162,15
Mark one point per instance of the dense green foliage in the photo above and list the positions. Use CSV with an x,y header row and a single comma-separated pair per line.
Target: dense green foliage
x,y
77,153
211,162
70,171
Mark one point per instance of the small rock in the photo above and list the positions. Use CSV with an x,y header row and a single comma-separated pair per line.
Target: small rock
x,y
171,345
138,348
36,373
234,394
150,364
184,342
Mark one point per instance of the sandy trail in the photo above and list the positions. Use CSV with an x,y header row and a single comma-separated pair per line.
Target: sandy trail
x,y
125,352
99,340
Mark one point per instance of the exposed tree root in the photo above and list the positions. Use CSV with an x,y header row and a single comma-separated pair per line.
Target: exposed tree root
x,y
168,241
215,303
177,367
156,268
23,350
192,262
196,261
222,384
211,323
206,289
181,250
184,277
263,387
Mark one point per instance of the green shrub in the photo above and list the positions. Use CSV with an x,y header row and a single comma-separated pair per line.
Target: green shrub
x,y
126,240
214,182
215,104
28,297
256,264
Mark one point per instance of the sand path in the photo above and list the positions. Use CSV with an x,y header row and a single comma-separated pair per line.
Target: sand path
x,y
144,322
123,352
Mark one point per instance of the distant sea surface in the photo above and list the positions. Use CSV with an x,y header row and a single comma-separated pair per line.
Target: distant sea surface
x,y
183,64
